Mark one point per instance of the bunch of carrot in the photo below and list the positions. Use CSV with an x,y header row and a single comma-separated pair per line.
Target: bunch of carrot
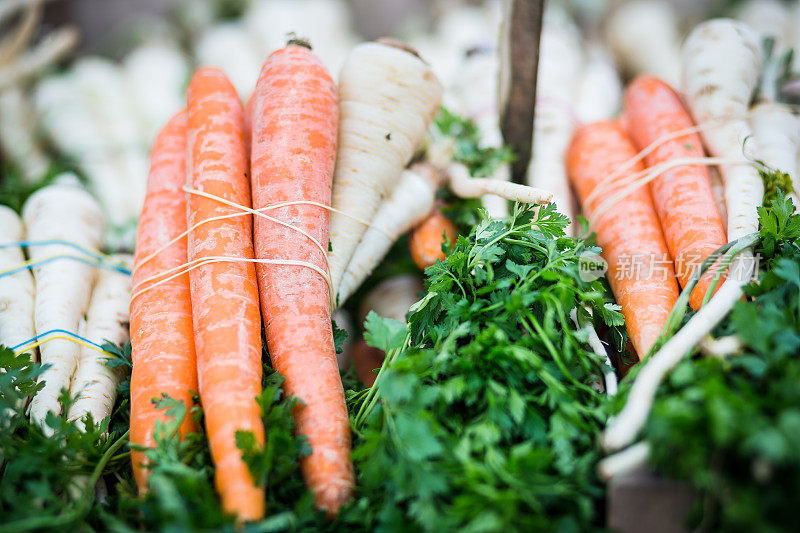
x,y
651,231
195,317
237,214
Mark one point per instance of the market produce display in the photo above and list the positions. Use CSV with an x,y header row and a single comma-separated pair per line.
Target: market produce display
x,y
261,273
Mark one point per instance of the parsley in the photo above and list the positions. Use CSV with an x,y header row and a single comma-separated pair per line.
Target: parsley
x,y
486,419
731,427
480,160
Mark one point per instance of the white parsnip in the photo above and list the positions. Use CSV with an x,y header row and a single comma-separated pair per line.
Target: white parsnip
x,y
18,135
408,205
392,298
229,46
769,18
94,384
645,38
476,88
387,99
156,73
721,62
16,290
63,211
776,136
463,186
325,23
560,63
599,92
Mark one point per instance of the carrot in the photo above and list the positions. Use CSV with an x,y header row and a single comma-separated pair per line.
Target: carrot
x,y
161,318
426,239
682,195
295,120
227,325
248,124
640,270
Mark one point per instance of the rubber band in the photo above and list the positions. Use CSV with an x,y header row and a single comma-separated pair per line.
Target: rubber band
x,y
31,263
257,213
243,213
65,335
49,242
646,176
610,179
202,261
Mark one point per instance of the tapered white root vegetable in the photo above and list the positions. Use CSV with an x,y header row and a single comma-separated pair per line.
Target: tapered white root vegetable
x,y
623,428
721,347
89,115
644,36
18,135
387,98
476,89
560,63
626,461
392,298
156,74
230,47
599,92
107,320
408,205
67,212
769,18
325,23
16,290
776,132
721,62
464,186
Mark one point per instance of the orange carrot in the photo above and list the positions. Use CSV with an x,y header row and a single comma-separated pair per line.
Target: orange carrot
x,y
248,125
682,196
640,270
293,153
426,239
227,325
161,318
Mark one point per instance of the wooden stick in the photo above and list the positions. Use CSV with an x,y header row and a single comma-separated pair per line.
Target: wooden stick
x,y
519,62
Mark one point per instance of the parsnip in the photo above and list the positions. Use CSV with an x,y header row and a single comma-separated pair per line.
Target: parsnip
x,y
560,62
16,290
387,98
406,207
645,37
721,62
776,136
63,211
18,135
95,384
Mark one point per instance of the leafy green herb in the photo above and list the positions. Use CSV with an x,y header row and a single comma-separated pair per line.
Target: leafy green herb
x,y
467,147
486,419
776,183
